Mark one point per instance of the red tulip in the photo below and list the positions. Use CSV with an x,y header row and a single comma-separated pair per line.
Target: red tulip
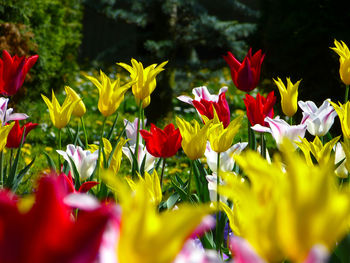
x,y
205,107
259,108
68,183
162,143
13,71
48,232
15,135
245,75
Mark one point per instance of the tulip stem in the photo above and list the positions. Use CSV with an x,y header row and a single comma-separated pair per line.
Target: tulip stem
x,y
291,120
218,245
162,174
100,149
85,134
136,153
1,170
346,93
189,180
59,148
263,145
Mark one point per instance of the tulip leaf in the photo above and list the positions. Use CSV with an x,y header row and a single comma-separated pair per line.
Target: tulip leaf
x,y
201,182
342,251
50,162
20,175
110,134
75,173
208,240
172,200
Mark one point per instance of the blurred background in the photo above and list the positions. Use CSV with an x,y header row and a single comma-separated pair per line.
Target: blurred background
x,y
74,35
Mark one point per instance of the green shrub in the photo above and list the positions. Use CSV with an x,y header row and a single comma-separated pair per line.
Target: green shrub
x,y
55,29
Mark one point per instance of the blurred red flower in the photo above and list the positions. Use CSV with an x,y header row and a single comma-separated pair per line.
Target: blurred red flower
x,y
13,71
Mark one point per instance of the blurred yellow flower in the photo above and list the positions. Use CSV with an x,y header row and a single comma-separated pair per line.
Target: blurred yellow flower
x,y
145,79
79,109
343,111
284,212
194,138
60,115
146,235
4,131
344,58
111,94
289,96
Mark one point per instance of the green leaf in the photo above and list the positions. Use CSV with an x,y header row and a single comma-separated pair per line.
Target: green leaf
x,y
20,175
50,162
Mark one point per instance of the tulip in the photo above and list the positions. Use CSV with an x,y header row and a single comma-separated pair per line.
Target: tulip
x,y
68,183
289,96
13,71
194,138
117,154
84,160
221,138
160,236
80,108
4,131
260,108
131,130
245,75
7,115
278,205
318,120
344,58
204,102
111,94
15,135
343,111
162,143
202,93
226,158
322,153
341,170
49,234
144,80
60,115
206,108
281,129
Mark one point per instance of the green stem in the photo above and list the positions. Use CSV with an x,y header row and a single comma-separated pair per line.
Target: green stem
x,y
100,150
291,120
346,93
218,245
136,153
263,145
59,148
322,139
162,174
84,129
1,171
11,157
189,180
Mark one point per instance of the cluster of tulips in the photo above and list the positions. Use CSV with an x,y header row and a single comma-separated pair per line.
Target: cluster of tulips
x,y
234,204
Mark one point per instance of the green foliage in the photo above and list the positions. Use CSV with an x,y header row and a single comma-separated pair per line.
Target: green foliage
x,y
56,27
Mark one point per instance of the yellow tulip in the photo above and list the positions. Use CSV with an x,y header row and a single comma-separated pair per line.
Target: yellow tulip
x,y
344,58
194,138
322,153
4,132
116,157
146,235
80,108
152,184
343,111
284,212
289,96
111,94
60,115
145,79
221,138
